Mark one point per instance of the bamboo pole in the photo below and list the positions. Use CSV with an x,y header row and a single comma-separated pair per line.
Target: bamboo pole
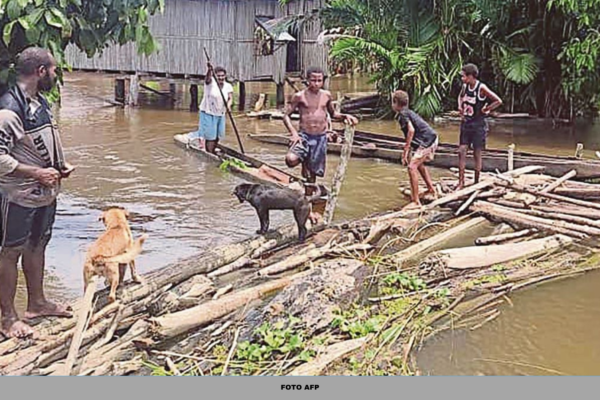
x,y
340,174
82,322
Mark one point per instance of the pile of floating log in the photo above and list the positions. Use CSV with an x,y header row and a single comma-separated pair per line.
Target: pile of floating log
x,y
362,104
195,317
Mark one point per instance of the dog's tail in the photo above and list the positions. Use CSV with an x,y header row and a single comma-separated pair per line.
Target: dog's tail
x,y
321,191
129,255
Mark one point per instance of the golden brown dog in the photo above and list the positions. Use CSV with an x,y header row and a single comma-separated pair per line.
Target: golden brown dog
x,y
112,251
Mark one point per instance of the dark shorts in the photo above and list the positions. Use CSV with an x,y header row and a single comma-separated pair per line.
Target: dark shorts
x,y
474,134
20,225
312,151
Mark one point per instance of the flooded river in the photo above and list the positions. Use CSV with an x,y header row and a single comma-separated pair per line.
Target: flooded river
x,y
127,157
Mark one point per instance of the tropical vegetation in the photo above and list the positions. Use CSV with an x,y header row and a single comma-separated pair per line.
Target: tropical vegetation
x,y
90,25
538,55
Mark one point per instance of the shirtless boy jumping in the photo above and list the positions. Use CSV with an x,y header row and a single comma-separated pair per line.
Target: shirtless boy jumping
x,y
309,146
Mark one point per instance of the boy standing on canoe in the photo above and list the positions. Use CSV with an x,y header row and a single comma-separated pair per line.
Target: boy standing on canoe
x,y
421,138
309,146
475,102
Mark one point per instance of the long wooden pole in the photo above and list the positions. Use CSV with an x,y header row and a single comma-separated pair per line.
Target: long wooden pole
x,y
340,174
235,129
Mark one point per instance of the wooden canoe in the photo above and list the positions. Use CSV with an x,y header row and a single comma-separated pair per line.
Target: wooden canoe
x,y
255,171
386,147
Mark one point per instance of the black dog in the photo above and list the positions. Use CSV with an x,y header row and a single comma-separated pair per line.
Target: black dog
x,y
265,198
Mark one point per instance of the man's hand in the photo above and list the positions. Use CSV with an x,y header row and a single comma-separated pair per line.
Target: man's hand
x,y
406,156
209,66
295,138
66,171
352,120
47,176
485,110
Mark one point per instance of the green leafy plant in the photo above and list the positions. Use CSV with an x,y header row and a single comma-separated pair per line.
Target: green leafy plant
x,y
90,25
232,162
404,281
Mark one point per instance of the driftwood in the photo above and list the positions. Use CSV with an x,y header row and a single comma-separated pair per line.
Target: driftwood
x,y
378,231
82,322
564,217
340,174
467,203
425,245
295,260
556,197
172,325
496,239
482,185
514,217
56,335
485,256
327,356
559,181
577,211
234,266
579,193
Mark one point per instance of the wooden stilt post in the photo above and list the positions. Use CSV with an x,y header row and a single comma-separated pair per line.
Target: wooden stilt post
x,y
511,157
242,99
173,91
133,90
120,90
194,94
280,94
579,150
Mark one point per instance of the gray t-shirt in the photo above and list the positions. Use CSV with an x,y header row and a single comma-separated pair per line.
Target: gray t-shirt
x,y
424,136
39,146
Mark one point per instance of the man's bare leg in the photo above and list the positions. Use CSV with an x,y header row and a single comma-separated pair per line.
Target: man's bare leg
x,y
428,182
462,164
33,268
478,163
11,325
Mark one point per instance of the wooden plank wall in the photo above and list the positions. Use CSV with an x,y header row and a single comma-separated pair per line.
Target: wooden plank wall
x,y
224,27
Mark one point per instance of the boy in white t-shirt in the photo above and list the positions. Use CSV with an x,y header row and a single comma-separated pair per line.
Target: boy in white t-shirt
x,y
212,109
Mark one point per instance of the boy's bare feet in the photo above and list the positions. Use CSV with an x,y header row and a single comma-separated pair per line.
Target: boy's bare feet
x,y
412,206
429,195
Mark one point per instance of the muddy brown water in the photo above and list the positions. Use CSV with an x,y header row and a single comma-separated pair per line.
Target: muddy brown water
x,y
127,157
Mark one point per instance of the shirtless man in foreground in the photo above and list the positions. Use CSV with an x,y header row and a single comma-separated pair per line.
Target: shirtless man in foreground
x,y
309,146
